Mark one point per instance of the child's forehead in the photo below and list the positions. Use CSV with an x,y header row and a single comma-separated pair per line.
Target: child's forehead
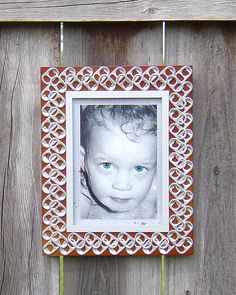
x,y
116,132
117,147
135,124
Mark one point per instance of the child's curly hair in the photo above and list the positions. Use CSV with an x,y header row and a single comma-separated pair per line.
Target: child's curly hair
x,y
133,120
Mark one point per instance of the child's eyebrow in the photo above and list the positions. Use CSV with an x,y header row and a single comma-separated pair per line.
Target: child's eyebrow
x,y
102,157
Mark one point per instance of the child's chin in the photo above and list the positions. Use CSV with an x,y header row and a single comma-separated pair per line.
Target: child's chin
x,y
117,209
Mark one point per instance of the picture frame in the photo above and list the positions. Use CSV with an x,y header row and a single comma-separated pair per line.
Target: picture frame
x,y
147,210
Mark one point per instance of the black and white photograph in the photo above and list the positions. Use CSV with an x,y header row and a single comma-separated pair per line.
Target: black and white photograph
x,y
117,162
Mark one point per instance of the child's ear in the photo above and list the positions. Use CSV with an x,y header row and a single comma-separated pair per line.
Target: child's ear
x,y
82,156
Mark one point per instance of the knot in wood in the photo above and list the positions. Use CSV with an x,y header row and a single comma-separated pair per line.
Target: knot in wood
x,y
151,10
216,170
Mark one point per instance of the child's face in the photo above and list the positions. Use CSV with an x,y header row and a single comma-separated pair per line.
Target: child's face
x,y
120,171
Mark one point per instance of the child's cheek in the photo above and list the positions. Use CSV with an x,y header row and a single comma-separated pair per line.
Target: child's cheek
x,y
143,184
102,178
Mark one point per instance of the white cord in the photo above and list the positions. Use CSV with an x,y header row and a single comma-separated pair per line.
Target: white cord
x,y
163,42
61,44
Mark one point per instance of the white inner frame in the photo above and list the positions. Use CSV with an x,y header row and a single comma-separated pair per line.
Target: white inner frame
x,y
147,225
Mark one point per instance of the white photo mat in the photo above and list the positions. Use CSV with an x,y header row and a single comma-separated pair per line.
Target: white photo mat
x,y
73,101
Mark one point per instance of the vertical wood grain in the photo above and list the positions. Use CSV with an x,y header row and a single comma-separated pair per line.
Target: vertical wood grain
x,y
23,49
211,49
112,44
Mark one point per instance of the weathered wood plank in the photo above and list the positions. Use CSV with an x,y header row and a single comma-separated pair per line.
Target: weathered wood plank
x,y
112,276
113,10
211,49
112,44
23,269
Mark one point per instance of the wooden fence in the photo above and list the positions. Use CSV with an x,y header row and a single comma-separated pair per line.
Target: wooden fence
x,y
211,49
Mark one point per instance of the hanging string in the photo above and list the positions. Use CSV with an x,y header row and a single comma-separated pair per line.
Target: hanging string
x,y
163,43
61,271
61,44
163,274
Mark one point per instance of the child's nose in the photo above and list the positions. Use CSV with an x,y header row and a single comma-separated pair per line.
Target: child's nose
x,y
122,182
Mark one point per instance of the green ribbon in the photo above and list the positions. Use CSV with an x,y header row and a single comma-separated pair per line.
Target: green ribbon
x,y
61,283
163,276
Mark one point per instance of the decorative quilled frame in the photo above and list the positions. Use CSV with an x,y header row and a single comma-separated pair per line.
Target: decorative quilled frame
x,y
55,82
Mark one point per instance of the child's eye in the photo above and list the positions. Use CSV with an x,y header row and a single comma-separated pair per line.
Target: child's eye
x,y
106,165
140,169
